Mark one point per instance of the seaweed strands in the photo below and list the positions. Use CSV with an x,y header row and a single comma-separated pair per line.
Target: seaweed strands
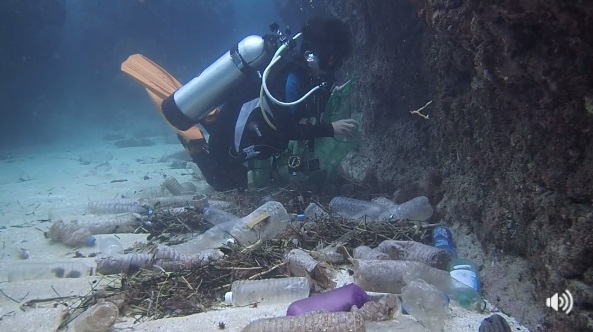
x,y
330,229
159,292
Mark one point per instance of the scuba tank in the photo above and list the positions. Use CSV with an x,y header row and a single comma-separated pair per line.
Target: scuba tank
x,y
193,101
198,97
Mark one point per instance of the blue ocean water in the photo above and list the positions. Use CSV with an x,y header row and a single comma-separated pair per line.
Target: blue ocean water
x,y
60,60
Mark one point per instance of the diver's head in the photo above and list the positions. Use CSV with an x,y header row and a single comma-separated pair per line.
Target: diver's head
x,y
326,43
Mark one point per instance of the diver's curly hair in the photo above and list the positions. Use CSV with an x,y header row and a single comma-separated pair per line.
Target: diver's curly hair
x,y
327,36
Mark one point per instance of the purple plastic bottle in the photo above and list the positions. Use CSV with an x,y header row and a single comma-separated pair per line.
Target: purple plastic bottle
x,y
335,300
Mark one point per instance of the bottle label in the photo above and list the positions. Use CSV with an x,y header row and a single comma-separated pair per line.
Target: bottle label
x,y
442,243
257,219
467,277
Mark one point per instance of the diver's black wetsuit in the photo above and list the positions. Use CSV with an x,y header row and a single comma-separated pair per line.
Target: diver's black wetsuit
x,y
222,166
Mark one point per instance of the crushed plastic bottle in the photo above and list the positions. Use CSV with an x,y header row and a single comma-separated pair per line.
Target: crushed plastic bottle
x,y
390,276
264,223
335,300
99,318
71,234
353,209
216,216
37,270
215,237
426,303
416,251
364,252
110,247
315,212
267,291
327,322
417,208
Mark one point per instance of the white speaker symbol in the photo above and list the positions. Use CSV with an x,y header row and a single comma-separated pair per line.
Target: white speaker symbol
x,y
562,302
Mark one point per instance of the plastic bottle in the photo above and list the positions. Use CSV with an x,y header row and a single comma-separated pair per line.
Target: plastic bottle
x,y
426,303
37,270
466,296
327,322
118,205
215,237
384,201
335,300
443,239
98,318
364,252
462,269
267,291
390,276
417,208
110,247
217,216
315,212
466,272
416,251
351,208
264,223
71,234
173,186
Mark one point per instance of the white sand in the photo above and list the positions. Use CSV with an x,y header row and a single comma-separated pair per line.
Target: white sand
x,y
41,183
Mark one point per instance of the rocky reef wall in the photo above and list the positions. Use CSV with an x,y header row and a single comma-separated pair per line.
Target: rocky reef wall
x,y
507,148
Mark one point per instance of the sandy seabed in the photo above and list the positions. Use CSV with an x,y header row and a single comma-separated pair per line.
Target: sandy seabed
x,y
41,183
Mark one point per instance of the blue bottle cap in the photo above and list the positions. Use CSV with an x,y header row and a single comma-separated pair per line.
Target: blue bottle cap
x,y
300,217
90,241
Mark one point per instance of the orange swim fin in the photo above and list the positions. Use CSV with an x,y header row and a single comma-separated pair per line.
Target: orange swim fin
x,y
159,84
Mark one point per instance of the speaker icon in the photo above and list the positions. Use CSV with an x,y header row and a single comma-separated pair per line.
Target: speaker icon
x,y
562,302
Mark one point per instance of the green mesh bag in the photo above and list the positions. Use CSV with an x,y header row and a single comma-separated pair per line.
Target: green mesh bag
x,y
332,150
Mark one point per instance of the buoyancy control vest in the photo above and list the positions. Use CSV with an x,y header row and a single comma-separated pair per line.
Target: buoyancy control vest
x,y
260,129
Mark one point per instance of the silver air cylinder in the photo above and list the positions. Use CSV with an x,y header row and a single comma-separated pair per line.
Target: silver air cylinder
x,y
208,90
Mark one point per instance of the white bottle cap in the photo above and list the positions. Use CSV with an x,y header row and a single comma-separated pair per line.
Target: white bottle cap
x,y
228,297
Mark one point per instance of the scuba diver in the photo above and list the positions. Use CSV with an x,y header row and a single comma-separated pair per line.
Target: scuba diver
x,y
260,114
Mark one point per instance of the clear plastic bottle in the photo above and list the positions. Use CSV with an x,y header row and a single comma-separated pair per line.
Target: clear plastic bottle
x,y
426,303
263,223
215,237
461,293
384,201
390,276
98,318
217,216
315,212
417,208
110,247
327,322
351,208
335,300
36,270
267,291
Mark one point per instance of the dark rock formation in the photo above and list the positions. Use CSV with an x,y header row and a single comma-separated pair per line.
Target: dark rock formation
x,y
507,148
